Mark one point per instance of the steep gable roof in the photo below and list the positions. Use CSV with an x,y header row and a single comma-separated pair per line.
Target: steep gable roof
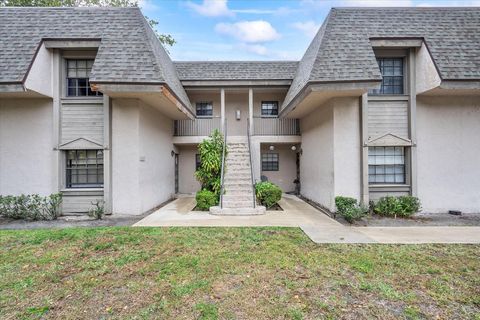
x,y
129,51
341,50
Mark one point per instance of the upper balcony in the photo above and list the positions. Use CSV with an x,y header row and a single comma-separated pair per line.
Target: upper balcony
x,y
262,126
197,127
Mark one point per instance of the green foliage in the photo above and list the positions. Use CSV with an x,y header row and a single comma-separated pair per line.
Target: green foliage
x,y
98,210
403,206
165,39
206,199
349,209
31,207
268,193
410,205
209,173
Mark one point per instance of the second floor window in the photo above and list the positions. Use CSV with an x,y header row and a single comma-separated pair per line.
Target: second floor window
x,y
269,108
78,74
392,70
204,109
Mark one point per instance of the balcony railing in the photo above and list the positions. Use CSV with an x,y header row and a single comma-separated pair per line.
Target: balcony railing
x,y
275,127
197,127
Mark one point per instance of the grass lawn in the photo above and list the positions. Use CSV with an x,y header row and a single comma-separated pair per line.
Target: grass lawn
x,y
229,273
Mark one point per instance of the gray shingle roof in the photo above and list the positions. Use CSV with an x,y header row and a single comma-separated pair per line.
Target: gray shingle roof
x,y
341,50
129,51
236,70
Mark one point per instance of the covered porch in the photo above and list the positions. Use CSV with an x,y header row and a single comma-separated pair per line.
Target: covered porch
x,y
236,108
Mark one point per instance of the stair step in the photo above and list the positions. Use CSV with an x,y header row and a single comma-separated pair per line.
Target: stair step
x,y
238,192
237,186
237,211
238,204
237,198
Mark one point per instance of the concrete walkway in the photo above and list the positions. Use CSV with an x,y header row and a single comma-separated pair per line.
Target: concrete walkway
x,y
319,227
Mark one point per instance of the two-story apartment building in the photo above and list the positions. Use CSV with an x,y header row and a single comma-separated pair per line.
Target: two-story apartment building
x,y
384,101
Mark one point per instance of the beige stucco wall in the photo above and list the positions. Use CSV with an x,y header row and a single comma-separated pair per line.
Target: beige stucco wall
x,y
347,147
233,102
287,168
448,153
142,164
186,167
258,97
316,161
426,74
330,162
26,147
213,96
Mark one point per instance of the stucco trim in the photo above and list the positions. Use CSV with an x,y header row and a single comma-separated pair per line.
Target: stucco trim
x,y
388,139
312,86
77,144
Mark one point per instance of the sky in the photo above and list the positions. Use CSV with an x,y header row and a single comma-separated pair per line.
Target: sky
x,y
253,29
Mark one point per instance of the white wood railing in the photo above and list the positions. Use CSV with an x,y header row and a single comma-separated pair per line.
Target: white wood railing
x,y
275,127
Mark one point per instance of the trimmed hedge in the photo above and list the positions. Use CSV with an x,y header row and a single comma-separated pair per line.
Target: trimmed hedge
x,y
268,193
31,207
349,209
403,206
206,199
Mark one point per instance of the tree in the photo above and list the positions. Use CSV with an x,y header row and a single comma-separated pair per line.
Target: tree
x,y
211,151
165,39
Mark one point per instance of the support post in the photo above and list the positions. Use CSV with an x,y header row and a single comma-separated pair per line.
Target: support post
x,y
57,178
107,155
412,92
364,147
222,108
250,110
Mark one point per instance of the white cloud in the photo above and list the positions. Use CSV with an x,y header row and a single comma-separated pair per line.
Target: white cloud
x,y
211,8
249,31
255,48
148,5
309,28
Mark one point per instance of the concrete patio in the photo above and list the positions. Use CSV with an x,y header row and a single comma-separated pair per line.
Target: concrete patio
x,y
318,226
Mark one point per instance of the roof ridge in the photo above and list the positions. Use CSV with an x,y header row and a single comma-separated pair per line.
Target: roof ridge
x,y
323,38
71,8
228,61
148,29
407,8
305,66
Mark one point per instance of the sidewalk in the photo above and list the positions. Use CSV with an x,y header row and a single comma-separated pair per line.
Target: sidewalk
x,y
316,225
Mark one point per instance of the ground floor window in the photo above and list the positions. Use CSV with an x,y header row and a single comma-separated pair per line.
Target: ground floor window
x,y
269,161
84,169
386,165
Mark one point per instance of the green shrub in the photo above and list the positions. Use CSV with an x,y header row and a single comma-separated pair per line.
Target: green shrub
x,y
98,210
31,207
211,150
268,193
349,209
403,206
410,205
206,199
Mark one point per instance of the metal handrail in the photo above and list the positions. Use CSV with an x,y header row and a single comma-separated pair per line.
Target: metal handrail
x,y
251,163
222,188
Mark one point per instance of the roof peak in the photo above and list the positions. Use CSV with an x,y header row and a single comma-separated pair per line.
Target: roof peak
x,y
72,8
406,8
233,61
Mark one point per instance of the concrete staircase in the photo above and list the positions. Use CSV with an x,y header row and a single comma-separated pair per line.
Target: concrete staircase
x,y
238,197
